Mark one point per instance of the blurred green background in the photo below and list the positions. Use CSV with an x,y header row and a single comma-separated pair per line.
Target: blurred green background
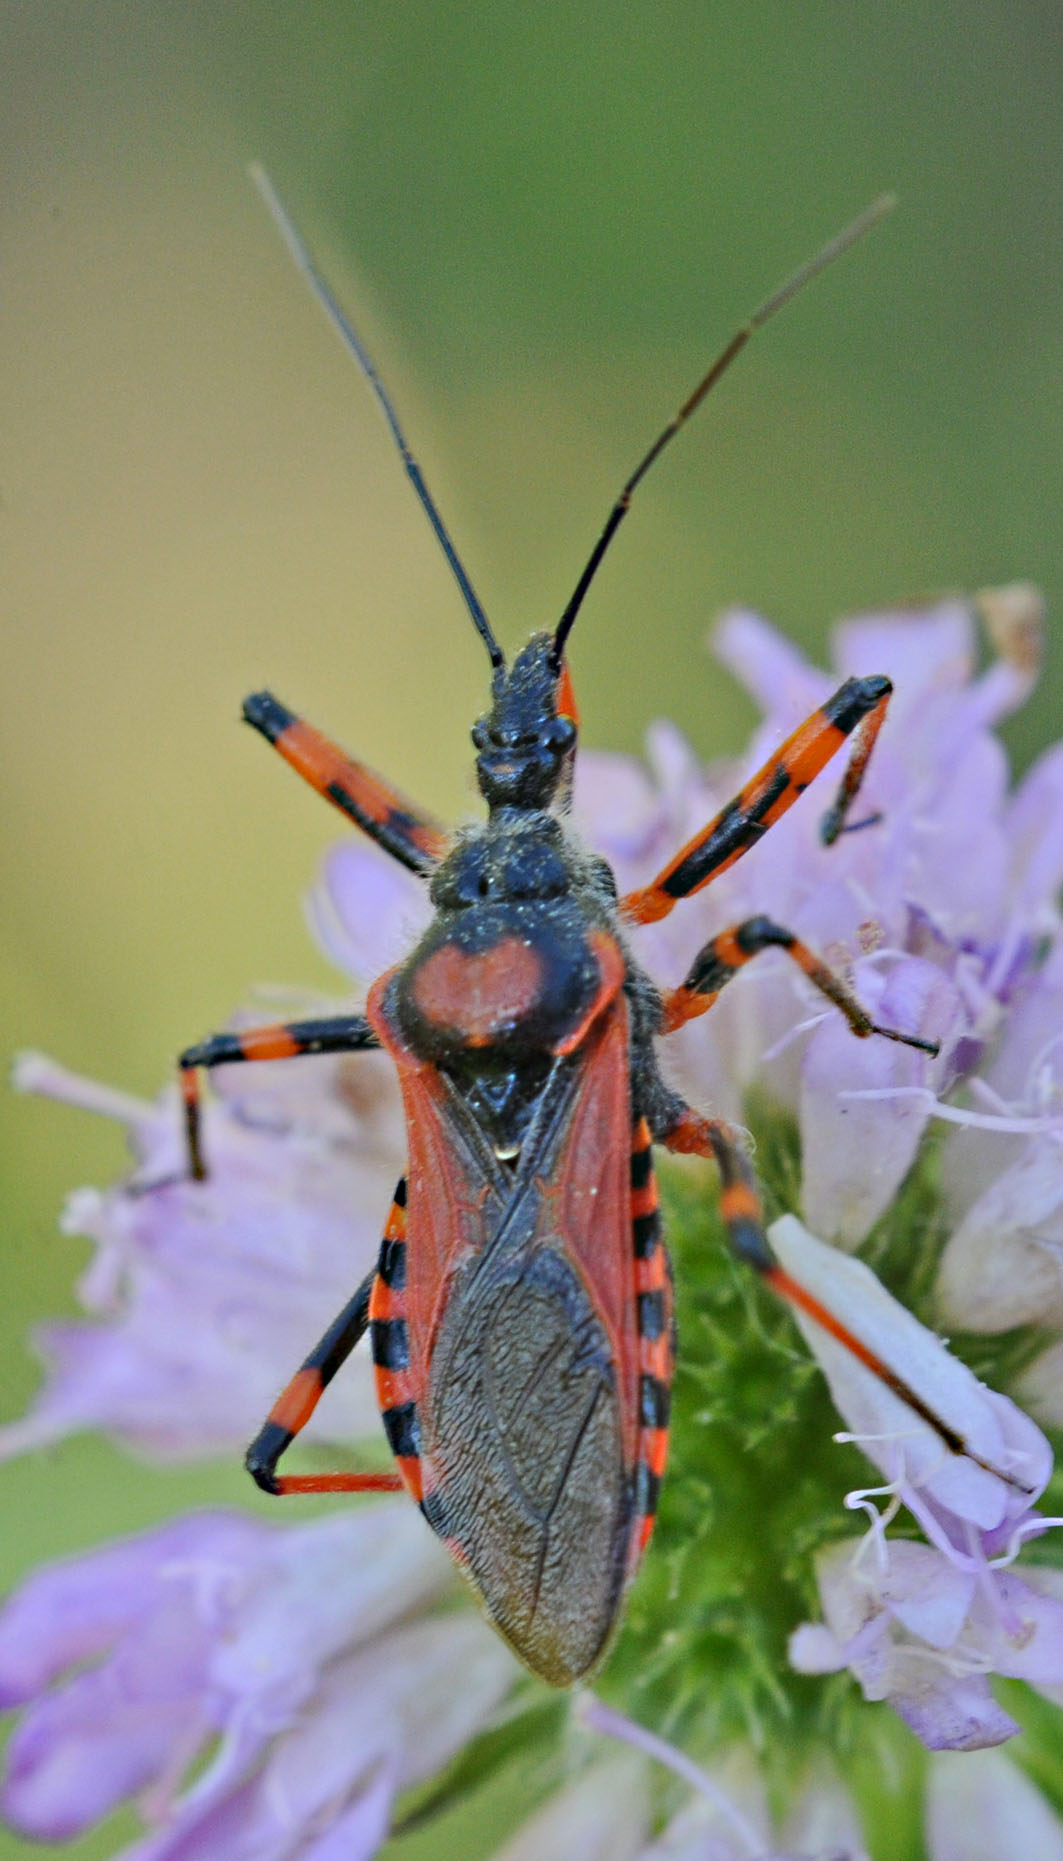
x,y
547,220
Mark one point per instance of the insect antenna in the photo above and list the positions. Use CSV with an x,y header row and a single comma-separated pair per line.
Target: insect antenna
x,y
804,275
345,329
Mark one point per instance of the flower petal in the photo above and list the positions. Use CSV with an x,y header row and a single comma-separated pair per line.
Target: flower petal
x,y
985,1808
856,1150
924,652
382,1719
1040,1386
211,1293
366,910
1025,1626
889,1432
344,1579
603,1816
925,1593
772,670
947,1712
67,1613
112,1730
1004,1264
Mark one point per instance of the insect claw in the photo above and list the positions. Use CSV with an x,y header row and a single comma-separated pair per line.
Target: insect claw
x,y
933,1047
261,1463
857,827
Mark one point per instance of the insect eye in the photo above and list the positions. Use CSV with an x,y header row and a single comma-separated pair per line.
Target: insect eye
x,y
560,734
479,734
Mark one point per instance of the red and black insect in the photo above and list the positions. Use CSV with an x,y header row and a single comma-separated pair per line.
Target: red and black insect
x,y
521,1310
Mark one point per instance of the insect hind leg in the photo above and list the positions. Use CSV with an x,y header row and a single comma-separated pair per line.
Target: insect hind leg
x,y
297,1402
689,1133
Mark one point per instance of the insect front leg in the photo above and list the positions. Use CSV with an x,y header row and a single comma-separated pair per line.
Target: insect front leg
x,y
404,831
857,706
689,1133
282,1040
725,954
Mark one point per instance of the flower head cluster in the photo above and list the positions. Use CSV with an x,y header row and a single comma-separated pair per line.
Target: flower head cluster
x,y
273,1689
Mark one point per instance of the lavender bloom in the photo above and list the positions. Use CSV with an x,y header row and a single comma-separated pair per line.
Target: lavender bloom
x,y
199,1292
308,1674
935,914
981,1807
605,1815
924,1625
1008,1460
821,1826
295,1643
1004,1176
728,1817
925,1629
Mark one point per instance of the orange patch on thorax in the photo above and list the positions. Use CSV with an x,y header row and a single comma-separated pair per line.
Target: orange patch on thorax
x,y
481,994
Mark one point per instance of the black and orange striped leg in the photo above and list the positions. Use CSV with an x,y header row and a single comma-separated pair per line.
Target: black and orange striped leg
x,y
692,1134
283,1040
859,705
294,1407
725,955
656,1334
403,830
296,1404
389,1322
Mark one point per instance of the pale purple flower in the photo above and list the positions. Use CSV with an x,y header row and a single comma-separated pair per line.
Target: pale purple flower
x,y
306,1669
298,1658
925,1625
981,1807
1008,1459
604,1815
367,911
728,1816
821,1825
935,913
925,1631
1003,1265
202,1295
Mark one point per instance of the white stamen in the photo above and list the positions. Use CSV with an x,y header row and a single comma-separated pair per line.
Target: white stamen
x,y
960,1114
1026,1528
860,1501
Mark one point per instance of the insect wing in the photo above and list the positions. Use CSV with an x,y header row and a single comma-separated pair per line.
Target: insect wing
x,y
521,1308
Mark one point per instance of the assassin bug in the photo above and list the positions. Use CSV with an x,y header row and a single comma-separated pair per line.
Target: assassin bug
x,y
521,1310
